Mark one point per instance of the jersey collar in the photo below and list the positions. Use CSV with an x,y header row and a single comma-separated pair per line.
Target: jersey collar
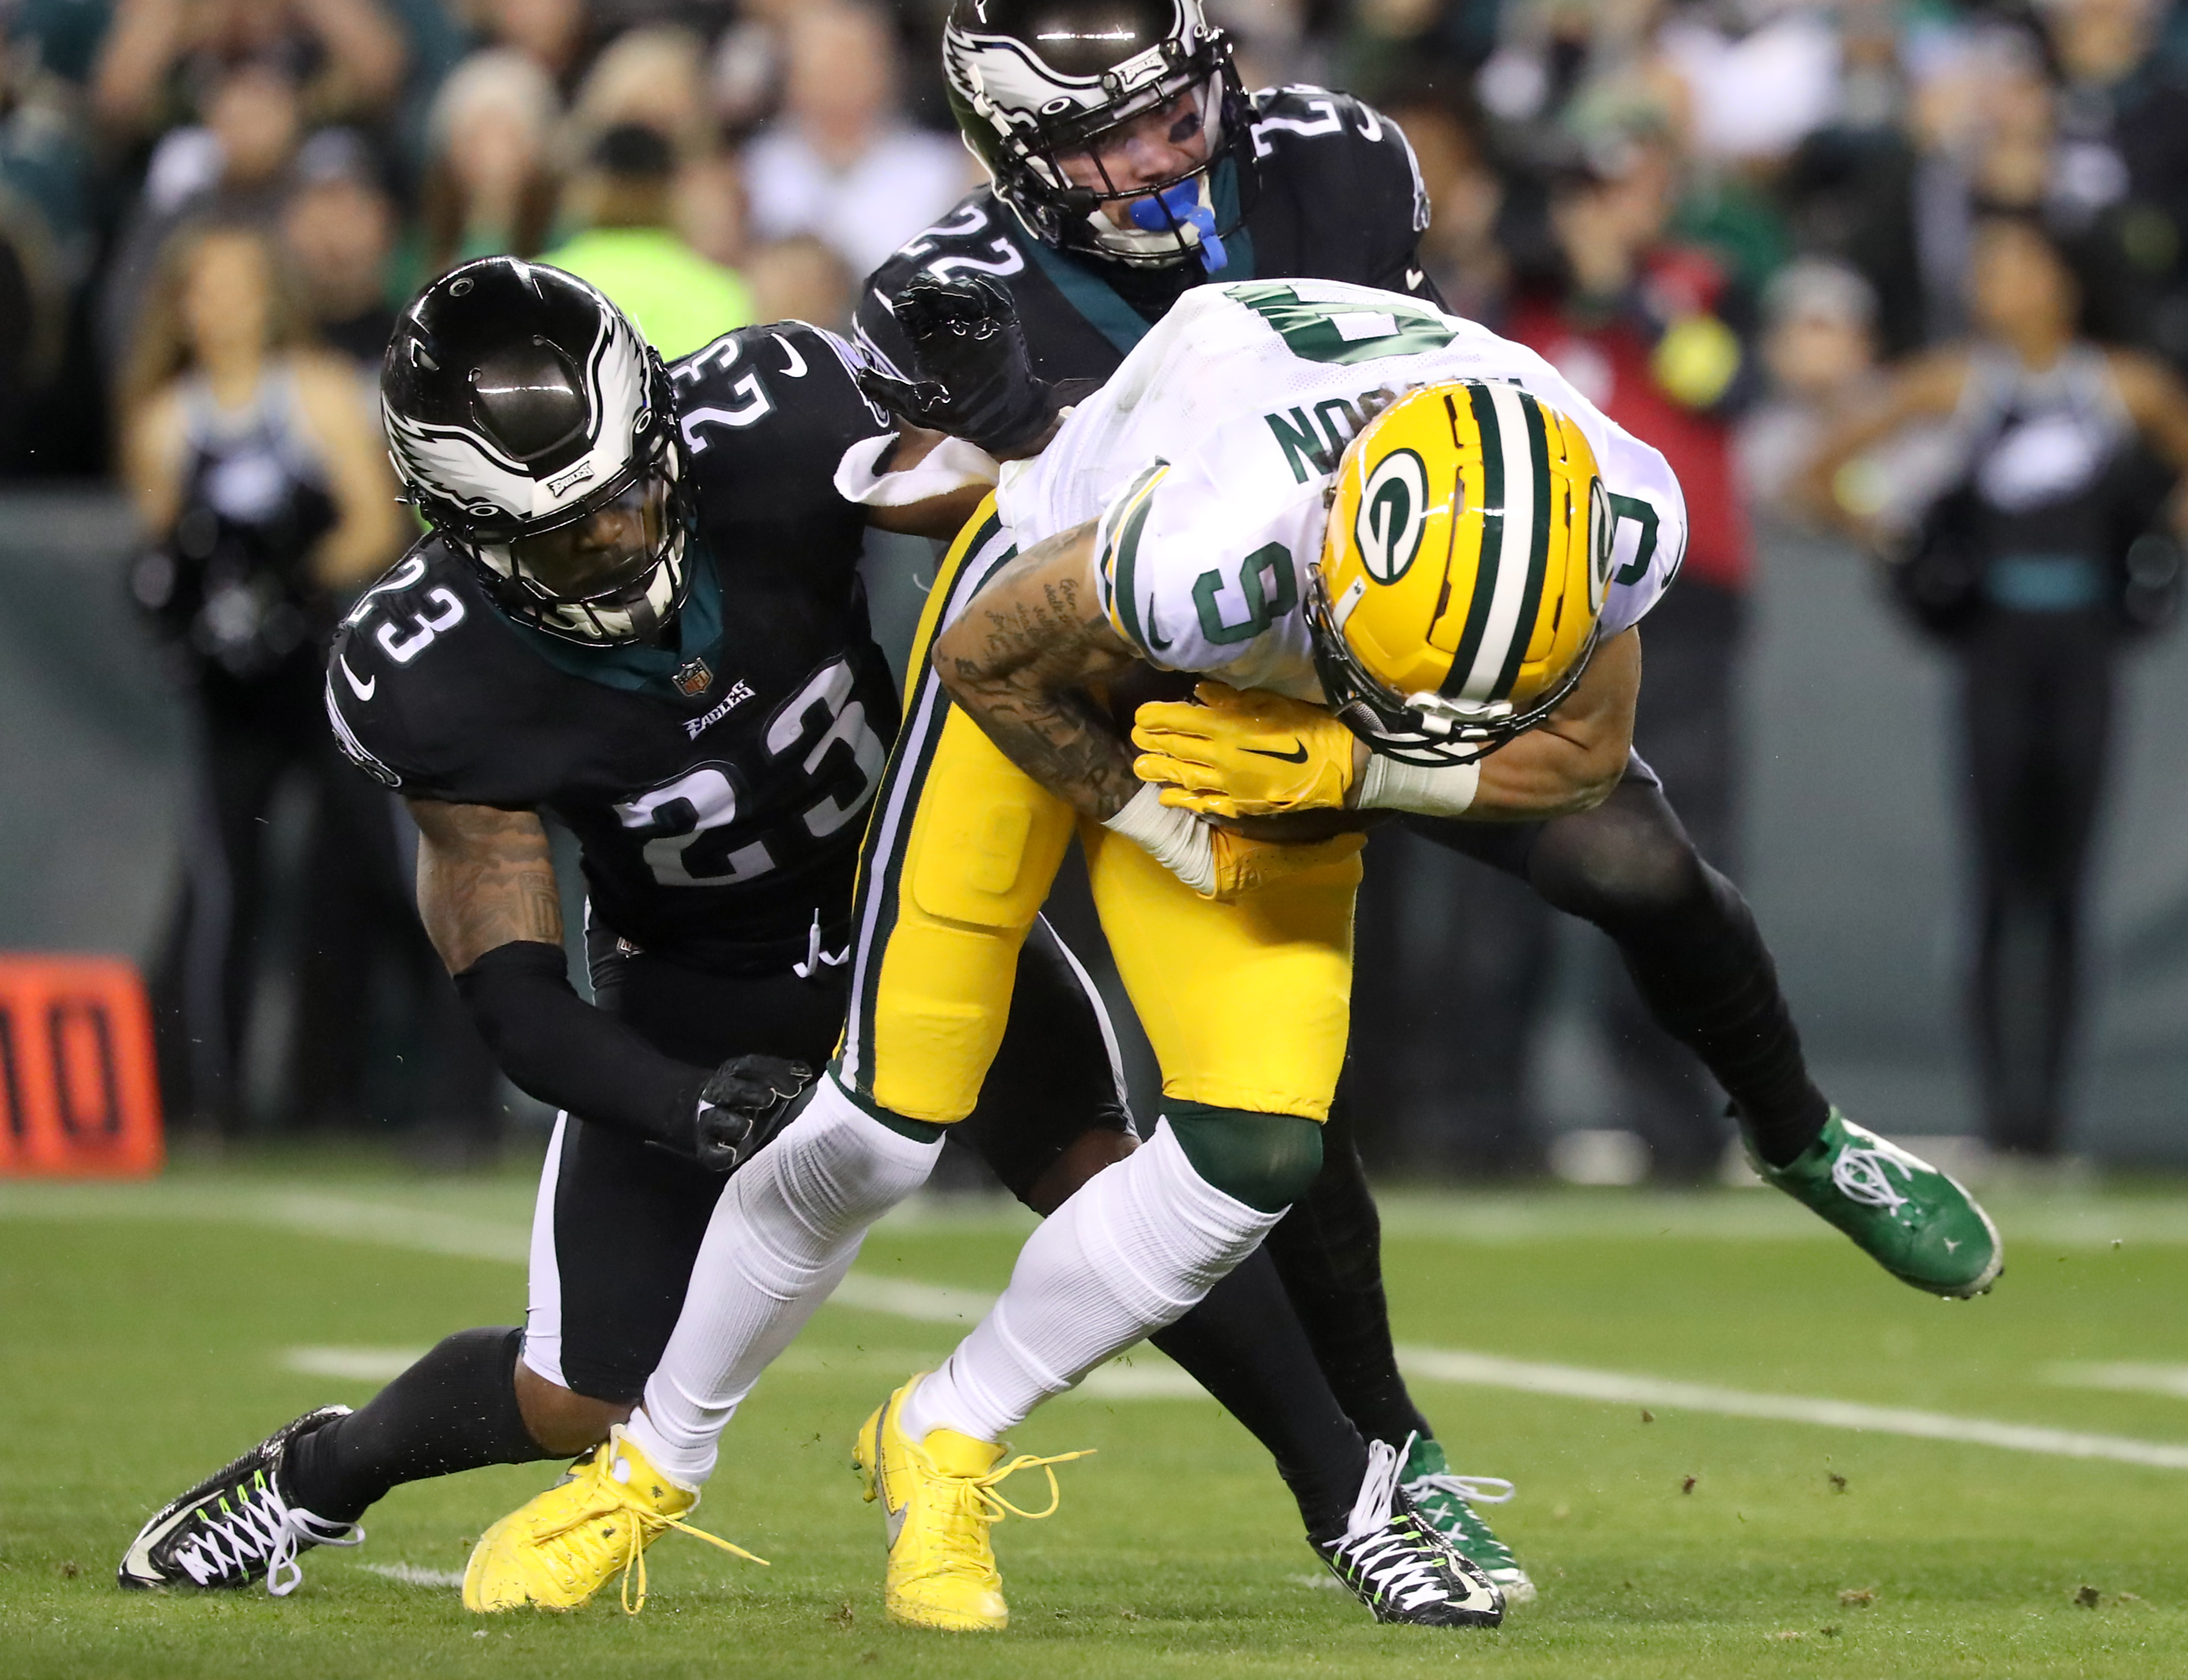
x,y
640,668
1080,279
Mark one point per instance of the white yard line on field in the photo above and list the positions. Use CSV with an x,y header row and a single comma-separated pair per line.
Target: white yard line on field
x,y
356,1365
2126,1375
312,1213
1488,1370
414,1574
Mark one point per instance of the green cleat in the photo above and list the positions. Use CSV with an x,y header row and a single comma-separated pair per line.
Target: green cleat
x,y
1446,1502
1918,1224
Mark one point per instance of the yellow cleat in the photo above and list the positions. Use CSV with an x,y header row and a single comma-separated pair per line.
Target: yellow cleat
x,y
562,1546
940,1501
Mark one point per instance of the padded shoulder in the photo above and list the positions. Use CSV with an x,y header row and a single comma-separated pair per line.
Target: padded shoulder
x,y
978,236
400,663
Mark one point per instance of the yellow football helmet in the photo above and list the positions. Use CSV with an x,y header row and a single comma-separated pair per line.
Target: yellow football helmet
x,y
1461,582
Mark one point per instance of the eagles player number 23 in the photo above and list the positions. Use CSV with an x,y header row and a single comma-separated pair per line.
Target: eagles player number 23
x,y
692,816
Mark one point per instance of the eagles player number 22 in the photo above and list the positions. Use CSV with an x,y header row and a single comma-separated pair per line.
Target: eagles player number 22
x,y
691,816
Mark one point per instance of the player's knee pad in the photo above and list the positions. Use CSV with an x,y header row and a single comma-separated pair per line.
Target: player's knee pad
x,y
1266,1161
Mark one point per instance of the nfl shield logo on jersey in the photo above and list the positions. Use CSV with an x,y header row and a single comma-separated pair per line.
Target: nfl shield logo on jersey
x,y
695,678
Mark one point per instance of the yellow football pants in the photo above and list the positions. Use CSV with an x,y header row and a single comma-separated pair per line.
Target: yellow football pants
x,y
1247,1004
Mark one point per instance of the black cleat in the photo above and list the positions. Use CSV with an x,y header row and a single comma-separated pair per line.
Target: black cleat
x,y
1394,1562
237,1526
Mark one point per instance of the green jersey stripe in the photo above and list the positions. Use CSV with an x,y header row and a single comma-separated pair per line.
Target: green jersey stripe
x,y
1123,551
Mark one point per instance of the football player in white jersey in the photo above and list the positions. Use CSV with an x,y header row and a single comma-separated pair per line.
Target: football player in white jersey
x,y
1406,559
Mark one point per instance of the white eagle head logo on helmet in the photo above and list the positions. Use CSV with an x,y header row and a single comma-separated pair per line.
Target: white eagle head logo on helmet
x,y
535,429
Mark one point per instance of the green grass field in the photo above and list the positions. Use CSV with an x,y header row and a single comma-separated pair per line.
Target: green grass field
x,y
147,1333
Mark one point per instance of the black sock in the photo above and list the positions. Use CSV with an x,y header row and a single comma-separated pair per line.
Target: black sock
x,y
1708,980
1244,1345
454,1410
1329,1250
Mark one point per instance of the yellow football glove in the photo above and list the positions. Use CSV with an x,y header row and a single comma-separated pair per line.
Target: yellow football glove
x,y
1244,867
1243,754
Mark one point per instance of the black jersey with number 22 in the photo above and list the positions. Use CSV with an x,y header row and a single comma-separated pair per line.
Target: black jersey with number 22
x,y
716,824
1336,196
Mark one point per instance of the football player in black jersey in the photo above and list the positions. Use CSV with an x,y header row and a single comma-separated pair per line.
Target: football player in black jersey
x,y
639,612
1128,165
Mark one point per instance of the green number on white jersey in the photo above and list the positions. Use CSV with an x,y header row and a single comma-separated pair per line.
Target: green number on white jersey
x,y
1344,332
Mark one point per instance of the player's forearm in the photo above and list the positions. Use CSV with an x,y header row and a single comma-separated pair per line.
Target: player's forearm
x,y
571,1055
1571,761
1056,738
1542,776
1019,659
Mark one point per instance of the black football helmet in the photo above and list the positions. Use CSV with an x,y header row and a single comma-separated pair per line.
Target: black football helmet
x,y
1034,81
535,429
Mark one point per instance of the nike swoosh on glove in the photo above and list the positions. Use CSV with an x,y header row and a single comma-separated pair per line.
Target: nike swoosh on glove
x,y
1229,752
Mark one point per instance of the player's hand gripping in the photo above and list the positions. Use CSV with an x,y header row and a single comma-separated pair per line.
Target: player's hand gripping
x,y
746,1103
976,380
1229,753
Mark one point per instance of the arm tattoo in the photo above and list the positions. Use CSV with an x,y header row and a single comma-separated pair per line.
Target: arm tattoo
x,y
1019,661
486,878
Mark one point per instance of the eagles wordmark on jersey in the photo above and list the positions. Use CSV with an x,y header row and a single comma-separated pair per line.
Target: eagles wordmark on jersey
x,y
717,804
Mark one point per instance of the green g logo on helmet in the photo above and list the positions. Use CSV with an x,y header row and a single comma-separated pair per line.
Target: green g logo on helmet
x,y
1392,515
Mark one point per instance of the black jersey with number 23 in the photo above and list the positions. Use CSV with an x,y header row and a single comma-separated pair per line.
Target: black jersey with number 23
x,y
717,823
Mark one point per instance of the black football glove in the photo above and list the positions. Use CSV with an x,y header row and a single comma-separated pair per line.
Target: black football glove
x,y
977,381
743,1105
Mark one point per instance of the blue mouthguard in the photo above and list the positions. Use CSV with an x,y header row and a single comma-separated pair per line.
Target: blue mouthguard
x,y
1180,205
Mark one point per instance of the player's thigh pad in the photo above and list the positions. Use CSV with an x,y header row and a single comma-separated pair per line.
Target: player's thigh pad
x,y
1247,1004
959,856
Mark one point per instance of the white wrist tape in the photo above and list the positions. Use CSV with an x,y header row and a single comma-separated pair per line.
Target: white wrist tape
x,y
1179,841
1429,790
952,465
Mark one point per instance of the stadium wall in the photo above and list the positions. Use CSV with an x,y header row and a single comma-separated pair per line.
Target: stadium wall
x,y
1854,854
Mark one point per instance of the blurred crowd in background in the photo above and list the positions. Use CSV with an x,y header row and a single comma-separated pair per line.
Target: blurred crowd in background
x,y
1725,220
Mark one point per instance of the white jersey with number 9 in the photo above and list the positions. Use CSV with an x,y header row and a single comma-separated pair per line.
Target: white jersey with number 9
x,y
1207,457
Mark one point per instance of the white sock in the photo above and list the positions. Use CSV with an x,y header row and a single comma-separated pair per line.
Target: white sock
x,y
786,1229
1135,1247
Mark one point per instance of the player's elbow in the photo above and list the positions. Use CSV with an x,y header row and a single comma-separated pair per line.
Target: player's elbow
x,y
956,657
1590,778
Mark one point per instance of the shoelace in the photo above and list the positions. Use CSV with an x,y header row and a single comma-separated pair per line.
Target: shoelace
x,y
1388,1554
1859,1176
1471,1489
637,1534
983,1505
262,1525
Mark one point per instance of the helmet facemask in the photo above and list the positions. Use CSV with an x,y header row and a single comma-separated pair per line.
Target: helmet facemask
x,y
610,573
1427,728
